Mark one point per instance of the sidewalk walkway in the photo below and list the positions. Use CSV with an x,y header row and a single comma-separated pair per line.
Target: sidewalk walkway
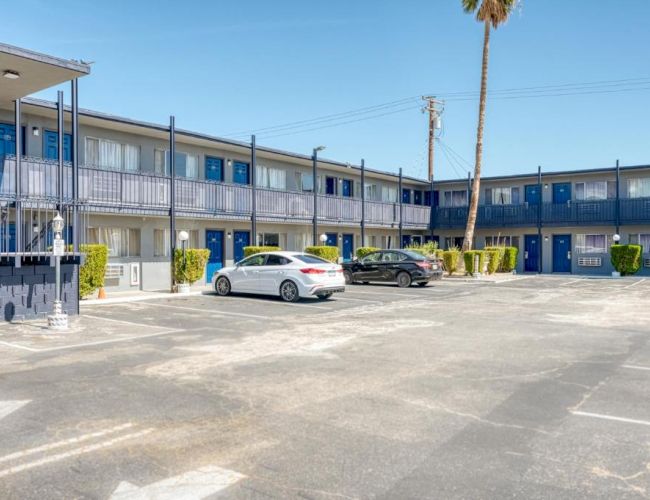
x,y
139,295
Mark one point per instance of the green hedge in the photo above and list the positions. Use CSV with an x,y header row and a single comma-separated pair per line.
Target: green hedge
x,y
195,261
324,252
451,258
469,257
429,249
252,250
363,251
495,258
626,259
509,261
91,274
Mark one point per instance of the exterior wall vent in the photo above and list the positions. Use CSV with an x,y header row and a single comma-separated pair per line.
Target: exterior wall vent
x,y
590,261
646,262
114,271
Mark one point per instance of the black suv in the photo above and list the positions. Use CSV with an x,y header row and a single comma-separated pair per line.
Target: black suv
x,y
403,267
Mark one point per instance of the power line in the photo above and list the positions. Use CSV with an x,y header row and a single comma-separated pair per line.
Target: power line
x,y
453,162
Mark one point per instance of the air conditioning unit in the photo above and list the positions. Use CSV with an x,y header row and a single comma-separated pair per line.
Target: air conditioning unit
x,y
646,262
590,262
114,271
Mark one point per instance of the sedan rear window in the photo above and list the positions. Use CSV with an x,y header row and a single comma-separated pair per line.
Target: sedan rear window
x,y
311,259
414,255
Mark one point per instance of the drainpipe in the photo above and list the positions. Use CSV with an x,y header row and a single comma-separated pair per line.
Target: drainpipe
x,y
172,197
254,190
618,197
75,165
19,212
363,202
539,220
401,199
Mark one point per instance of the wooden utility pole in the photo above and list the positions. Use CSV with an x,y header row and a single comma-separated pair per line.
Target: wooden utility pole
x,y
434,123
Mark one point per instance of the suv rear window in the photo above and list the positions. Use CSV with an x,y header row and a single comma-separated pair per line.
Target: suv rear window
x,y
311,259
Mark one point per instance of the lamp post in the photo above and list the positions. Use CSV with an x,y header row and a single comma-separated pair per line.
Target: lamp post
x,y
314,173
58,320
184,287
323,239
616,238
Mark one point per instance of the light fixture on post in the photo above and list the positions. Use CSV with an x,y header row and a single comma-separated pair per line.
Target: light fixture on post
x,y
323,239
36,131
58,320
11,75
616,238
183,287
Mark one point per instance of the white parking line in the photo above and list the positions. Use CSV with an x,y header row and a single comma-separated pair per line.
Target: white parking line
x,y
635,283
74,453
383,294
570,282
115,320
274,302
206,311
636,367
358,300
610,417
66,442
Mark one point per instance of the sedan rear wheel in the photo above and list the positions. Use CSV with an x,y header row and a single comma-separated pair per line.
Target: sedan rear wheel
x,y
289,292
403,280
348,277
222,286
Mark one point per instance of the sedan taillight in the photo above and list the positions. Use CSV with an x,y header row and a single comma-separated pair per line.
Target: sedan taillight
x,y
312,270
423,264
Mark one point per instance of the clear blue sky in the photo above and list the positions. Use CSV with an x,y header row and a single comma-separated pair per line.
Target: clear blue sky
x,y
224,67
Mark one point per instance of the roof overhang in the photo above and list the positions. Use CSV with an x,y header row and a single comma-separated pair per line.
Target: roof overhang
x,y
24,72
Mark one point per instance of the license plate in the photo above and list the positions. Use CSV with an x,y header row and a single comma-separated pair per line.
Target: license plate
x,y
434,267
331,273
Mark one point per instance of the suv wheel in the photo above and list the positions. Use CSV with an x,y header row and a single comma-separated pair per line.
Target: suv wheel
x,y
289,292
348,277
403,280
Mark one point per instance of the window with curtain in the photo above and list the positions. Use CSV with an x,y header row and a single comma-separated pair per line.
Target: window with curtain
x,y
111,155
371,192
187,165
642,239
161,241
121,242
638,188
301,241
595,190
272,239
456,198
389,194
592,243
502,196
269,177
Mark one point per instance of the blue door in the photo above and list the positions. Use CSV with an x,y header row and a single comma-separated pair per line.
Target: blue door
x,y
348,247
8,237
214,243
417,197
332,239
242,239
561,192
532,195
51,146
531,253
213,168
406,240
346,188
561,253
406,196
240,173
330,185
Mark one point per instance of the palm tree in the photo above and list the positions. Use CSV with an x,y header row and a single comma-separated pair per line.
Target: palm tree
x,y
491,13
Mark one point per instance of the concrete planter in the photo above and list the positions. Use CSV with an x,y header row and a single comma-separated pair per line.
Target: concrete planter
x,y
616,274
183,288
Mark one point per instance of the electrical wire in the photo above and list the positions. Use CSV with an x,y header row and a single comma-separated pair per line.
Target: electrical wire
x,y
458,168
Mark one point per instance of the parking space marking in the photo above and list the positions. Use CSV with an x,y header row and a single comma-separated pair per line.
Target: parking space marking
x,y
635,367
383,294
635,283
18,346
73,453
263,300
204,311
611,417
355,299
115,320
570,282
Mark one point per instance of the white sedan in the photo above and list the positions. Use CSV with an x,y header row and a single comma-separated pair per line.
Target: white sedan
x,y
291,275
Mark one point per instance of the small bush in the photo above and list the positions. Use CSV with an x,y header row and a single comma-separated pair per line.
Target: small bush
x,y
495,258
469,257
509,261
626,259
428,249
91,274
324,252
363,251
252,250
195,261
451,258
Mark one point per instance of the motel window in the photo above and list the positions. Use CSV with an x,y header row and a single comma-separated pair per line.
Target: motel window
x,y
371,192
502,241
455,198
642,239
389,194
592,243
638,188
187,165
111,155
161,241
272,240
121,242
502,196
595,190
272,178
305,182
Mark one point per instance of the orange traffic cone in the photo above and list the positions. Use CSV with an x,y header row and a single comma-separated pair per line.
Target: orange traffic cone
x,y
101,294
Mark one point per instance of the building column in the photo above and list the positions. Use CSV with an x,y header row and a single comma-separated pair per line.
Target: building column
x,y
60,134
19,210
540,253
363,202
75,165
401,206
253,191
172,197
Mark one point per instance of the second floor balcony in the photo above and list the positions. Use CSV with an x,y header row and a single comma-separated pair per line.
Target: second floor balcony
x,y
134,192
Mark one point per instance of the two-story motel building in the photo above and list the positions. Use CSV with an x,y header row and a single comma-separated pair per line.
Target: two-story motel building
x,y
229,194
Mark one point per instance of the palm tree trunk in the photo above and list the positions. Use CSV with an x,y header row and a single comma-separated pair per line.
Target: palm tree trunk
x,y
476,185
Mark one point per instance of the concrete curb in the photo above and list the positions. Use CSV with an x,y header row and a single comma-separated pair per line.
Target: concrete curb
x,y
139,298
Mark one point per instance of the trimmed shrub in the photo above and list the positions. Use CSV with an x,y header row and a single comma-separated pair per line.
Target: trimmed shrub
x,y
509,261
451,258
363,251
324,252
626,259
428,249
252,250
495,258
195,261
91,274
469,257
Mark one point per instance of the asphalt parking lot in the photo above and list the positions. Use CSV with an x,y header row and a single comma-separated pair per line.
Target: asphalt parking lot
x,y
532,388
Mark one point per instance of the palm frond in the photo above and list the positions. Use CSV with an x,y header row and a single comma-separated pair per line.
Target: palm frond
x,y
470,6
495,12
